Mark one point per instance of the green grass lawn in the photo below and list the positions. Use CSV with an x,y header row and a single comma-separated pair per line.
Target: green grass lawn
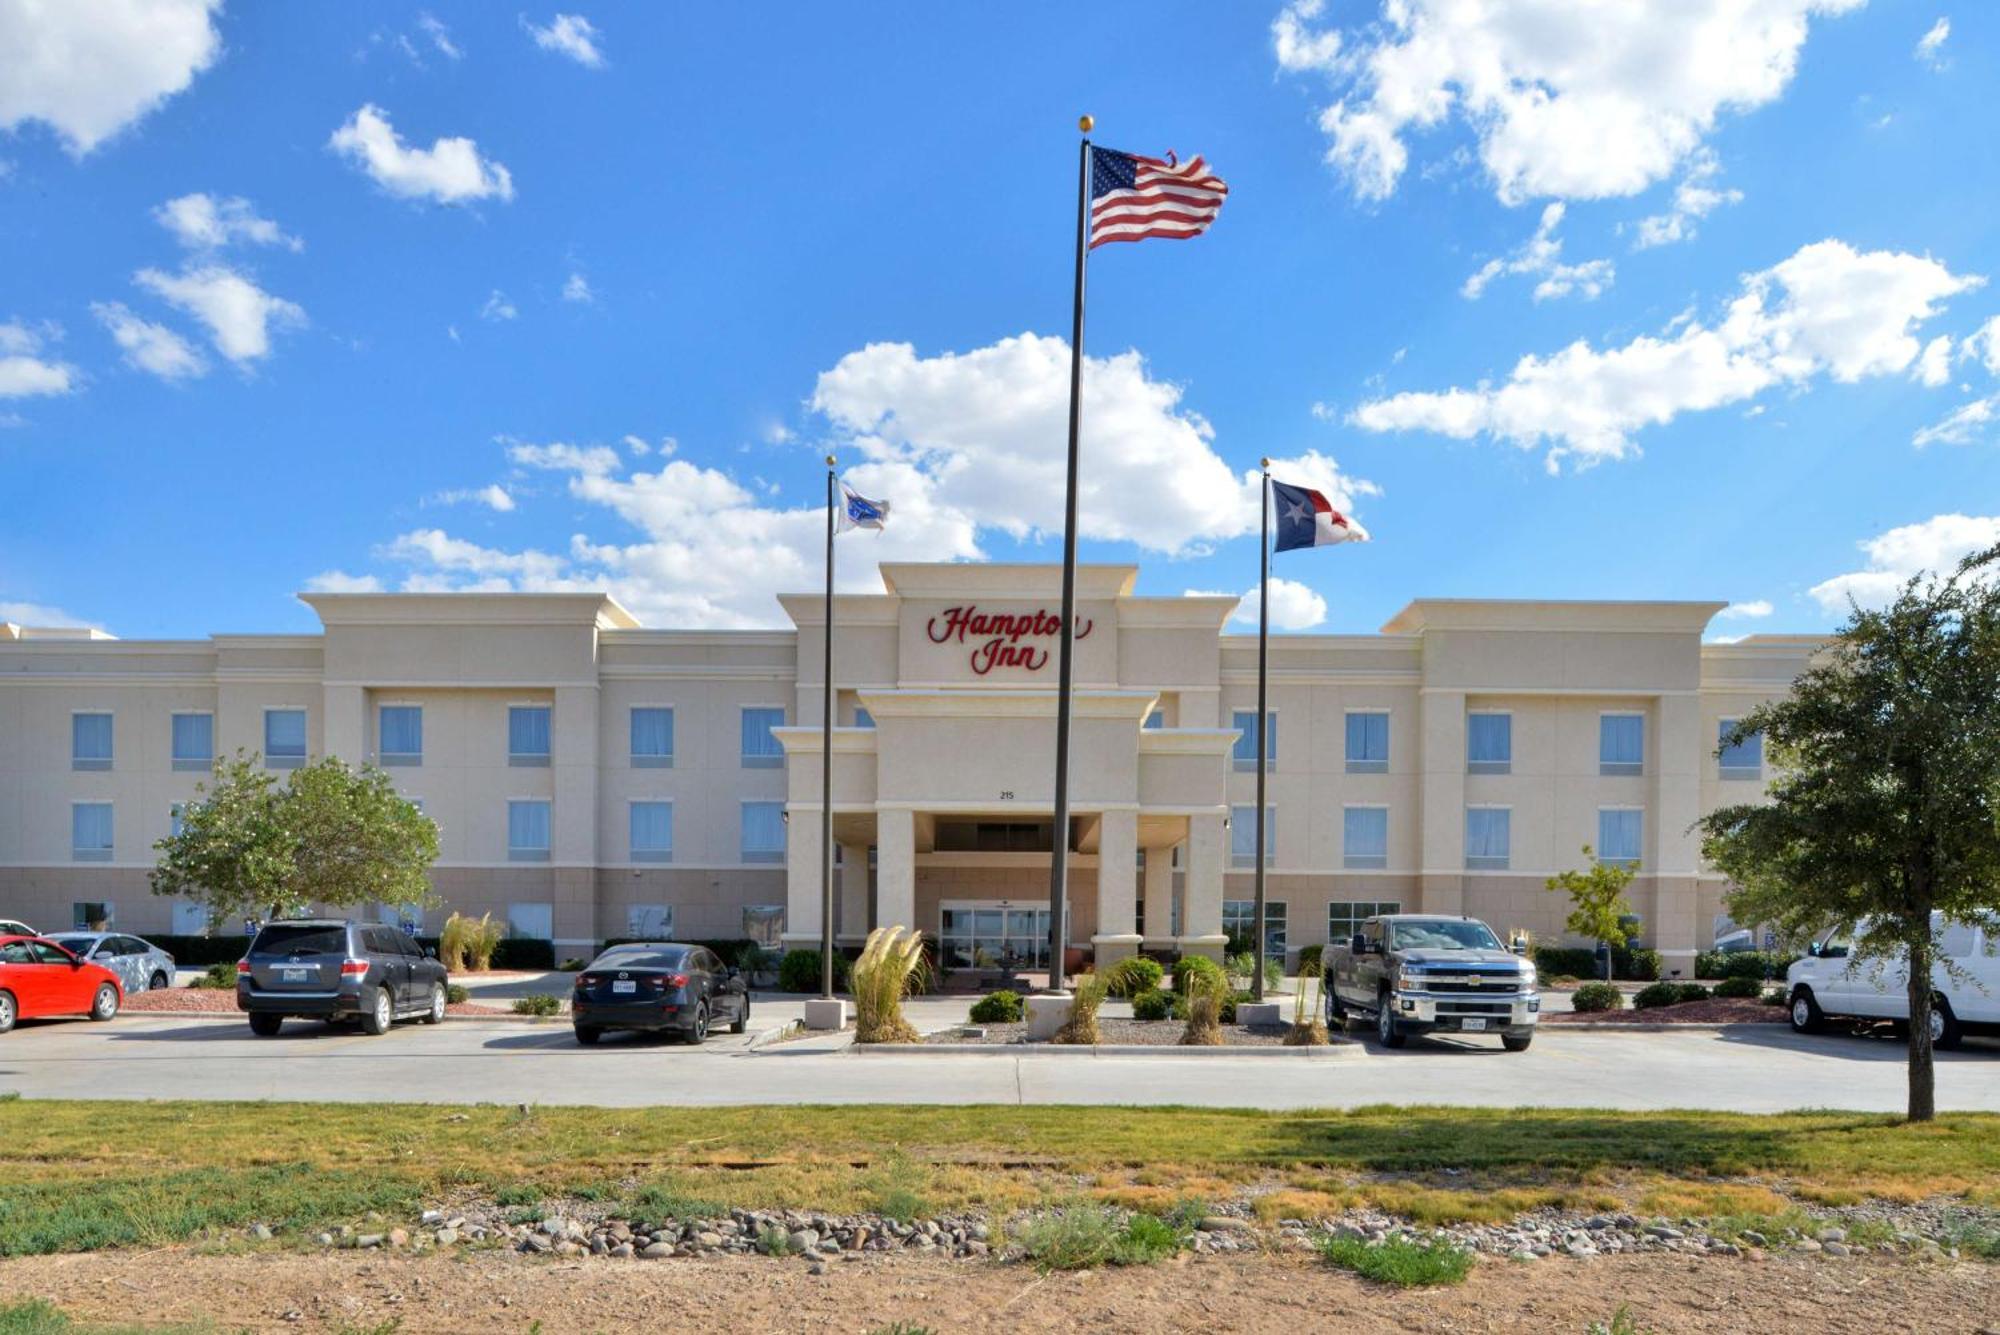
x,y
92,1174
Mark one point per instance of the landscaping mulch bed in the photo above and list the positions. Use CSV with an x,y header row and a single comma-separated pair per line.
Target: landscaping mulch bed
x,y
205,1000
1715,1010
1150,1033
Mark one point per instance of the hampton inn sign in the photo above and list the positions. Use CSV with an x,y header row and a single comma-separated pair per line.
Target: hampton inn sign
x,y
996,637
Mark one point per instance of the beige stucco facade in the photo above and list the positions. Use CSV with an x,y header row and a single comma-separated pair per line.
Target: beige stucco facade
x,y
942,759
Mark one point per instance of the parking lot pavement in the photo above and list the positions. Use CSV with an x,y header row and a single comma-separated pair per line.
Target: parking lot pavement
x,y
168,1057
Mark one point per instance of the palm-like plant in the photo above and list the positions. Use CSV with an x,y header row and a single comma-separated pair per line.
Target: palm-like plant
x,y
1089,994
883,976
1205,993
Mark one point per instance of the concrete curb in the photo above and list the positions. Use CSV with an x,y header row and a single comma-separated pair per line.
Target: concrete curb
x,y
1332,1052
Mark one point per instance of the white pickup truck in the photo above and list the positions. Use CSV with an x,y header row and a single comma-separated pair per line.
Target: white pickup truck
x,y
1833,982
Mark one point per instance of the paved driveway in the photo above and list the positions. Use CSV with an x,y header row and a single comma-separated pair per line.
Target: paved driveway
x,y
1753,1069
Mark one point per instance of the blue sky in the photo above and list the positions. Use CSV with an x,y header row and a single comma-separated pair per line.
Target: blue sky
x,y
459,296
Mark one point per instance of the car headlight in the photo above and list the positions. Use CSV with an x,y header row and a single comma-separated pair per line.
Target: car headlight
x,y
1527,975
1408,978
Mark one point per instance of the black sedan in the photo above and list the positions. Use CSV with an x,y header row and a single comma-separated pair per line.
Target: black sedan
x,y
659,987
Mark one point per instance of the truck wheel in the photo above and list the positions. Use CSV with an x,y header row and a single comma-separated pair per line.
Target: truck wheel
x,y
1807,1017
1516,1042
1336,1014
1945,1028
1386,1028
265,1025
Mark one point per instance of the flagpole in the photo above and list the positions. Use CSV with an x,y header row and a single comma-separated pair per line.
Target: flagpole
x,y
1059,860
826,765
1263,721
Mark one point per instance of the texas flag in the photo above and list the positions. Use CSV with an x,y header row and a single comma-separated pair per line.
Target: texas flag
x,y
1308,519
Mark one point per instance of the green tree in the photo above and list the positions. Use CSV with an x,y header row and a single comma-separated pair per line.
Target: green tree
x,y
333,836
1883,809
1597,898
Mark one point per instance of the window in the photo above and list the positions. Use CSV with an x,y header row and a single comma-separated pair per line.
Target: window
x,y
1155,720
650,922
531,922
400,734
1618,835
1489,743
1243,836
991,934
1239,918
862,718
1367,742
1345,916
1745,760
528,735
90,741
1621,743
93,915
1364,838
190,919
284,738
90,832
194,742
760,748
1488,831
652,737
763,832
764,924
1245,722
528,831
652,831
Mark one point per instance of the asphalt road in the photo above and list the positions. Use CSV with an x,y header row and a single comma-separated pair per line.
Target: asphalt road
x,y
1764,1068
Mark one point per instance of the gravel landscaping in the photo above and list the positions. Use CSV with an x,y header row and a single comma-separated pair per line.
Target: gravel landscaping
x,y
1148,1033
1715,1010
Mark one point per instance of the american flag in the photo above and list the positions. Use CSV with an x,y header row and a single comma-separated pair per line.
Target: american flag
x,y
1132,198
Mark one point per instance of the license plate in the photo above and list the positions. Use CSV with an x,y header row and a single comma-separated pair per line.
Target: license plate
x,y
627,986
1474,1026
295,975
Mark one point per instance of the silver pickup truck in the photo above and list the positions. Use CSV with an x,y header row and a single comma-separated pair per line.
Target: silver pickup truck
x,y
1418,973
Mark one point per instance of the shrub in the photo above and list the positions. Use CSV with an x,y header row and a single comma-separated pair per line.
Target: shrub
x,y
198,952
1308,1029
519,952
1690,992
455,942
537,1003
1081,1027
1758,964
1739,985
1002,1007
1597,997
1084,1236
799,971
1204,993
1404,1262
1241,966
1310,959
1230,1001
1133,975
1775,997
1153,1004
221,977
571,965
1668,994
1192,968
455,994
1553,962
881,981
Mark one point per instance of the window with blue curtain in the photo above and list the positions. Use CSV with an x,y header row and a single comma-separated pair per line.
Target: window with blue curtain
x,y
400,734
760,748
90,832
284,738
528,735
194,741
1245,722
90,741
1367,743
528,831
1243,836
1488,834
1621,744
652,831
1489,743
1618,836
1364,838
1744,760
652,737
763,837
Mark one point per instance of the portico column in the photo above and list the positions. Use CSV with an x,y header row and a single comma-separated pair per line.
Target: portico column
x,y
1159,924
853,923
802,872
1117,887
896,868
1201,918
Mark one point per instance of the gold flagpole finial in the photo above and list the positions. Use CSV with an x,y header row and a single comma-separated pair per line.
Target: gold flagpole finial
x,y
829,461
1267,465
1086,123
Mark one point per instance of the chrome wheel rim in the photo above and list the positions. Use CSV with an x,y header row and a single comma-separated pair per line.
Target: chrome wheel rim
x,y
701,1024
1801,1012
6,1011
107,1003
382,1012
1385,1022
437,1003
1937,1024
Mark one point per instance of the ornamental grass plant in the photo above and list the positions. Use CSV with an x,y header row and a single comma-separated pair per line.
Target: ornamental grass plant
x,y
1308,1030
883,976
1205,993
1081,1028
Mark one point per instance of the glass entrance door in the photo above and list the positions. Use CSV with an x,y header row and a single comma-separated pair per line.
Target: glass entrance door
x,y
993,934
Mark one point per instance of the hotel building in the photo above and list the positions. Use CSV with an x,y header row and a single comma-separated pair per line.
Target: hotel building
x,y
591,777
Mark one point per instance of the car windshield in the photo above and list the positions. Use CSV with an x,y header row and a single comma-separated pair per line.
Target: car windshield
x,y
1444,936
302,940
641,959
80,944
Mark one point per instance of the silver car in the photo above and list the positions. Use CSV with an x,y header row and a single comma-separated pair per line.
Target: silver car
x,y
140,965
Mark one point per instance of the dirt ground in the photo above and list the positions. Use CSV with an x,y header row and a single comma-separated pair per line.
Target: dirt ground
x,y
495,1293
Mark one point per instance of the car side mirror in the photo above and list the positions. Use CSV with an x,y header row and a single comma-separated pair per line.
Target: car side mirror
x,y
1812,949
1519,947
1358,944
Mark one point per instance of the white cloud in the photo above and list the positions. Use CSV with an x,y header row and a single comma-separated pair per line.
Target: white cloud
x,y
1294,606
1930,47
450,171
339,581
440,36
41,615
203,222
493,496
578,289
1756,608
1563,106
1934,366
24,371
240,315
1695,197
1965,424
89,70
148,346
1827,310
571,35
1540,256
498,307
1984,345
1936,545
962,444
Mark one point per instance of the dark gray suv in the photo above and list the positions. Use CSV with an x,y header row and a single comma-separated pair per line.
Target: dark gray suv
x,y
326,969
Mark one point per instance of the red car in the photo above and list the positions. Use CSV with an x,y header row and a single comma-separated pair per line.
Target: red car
x,y
39,978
